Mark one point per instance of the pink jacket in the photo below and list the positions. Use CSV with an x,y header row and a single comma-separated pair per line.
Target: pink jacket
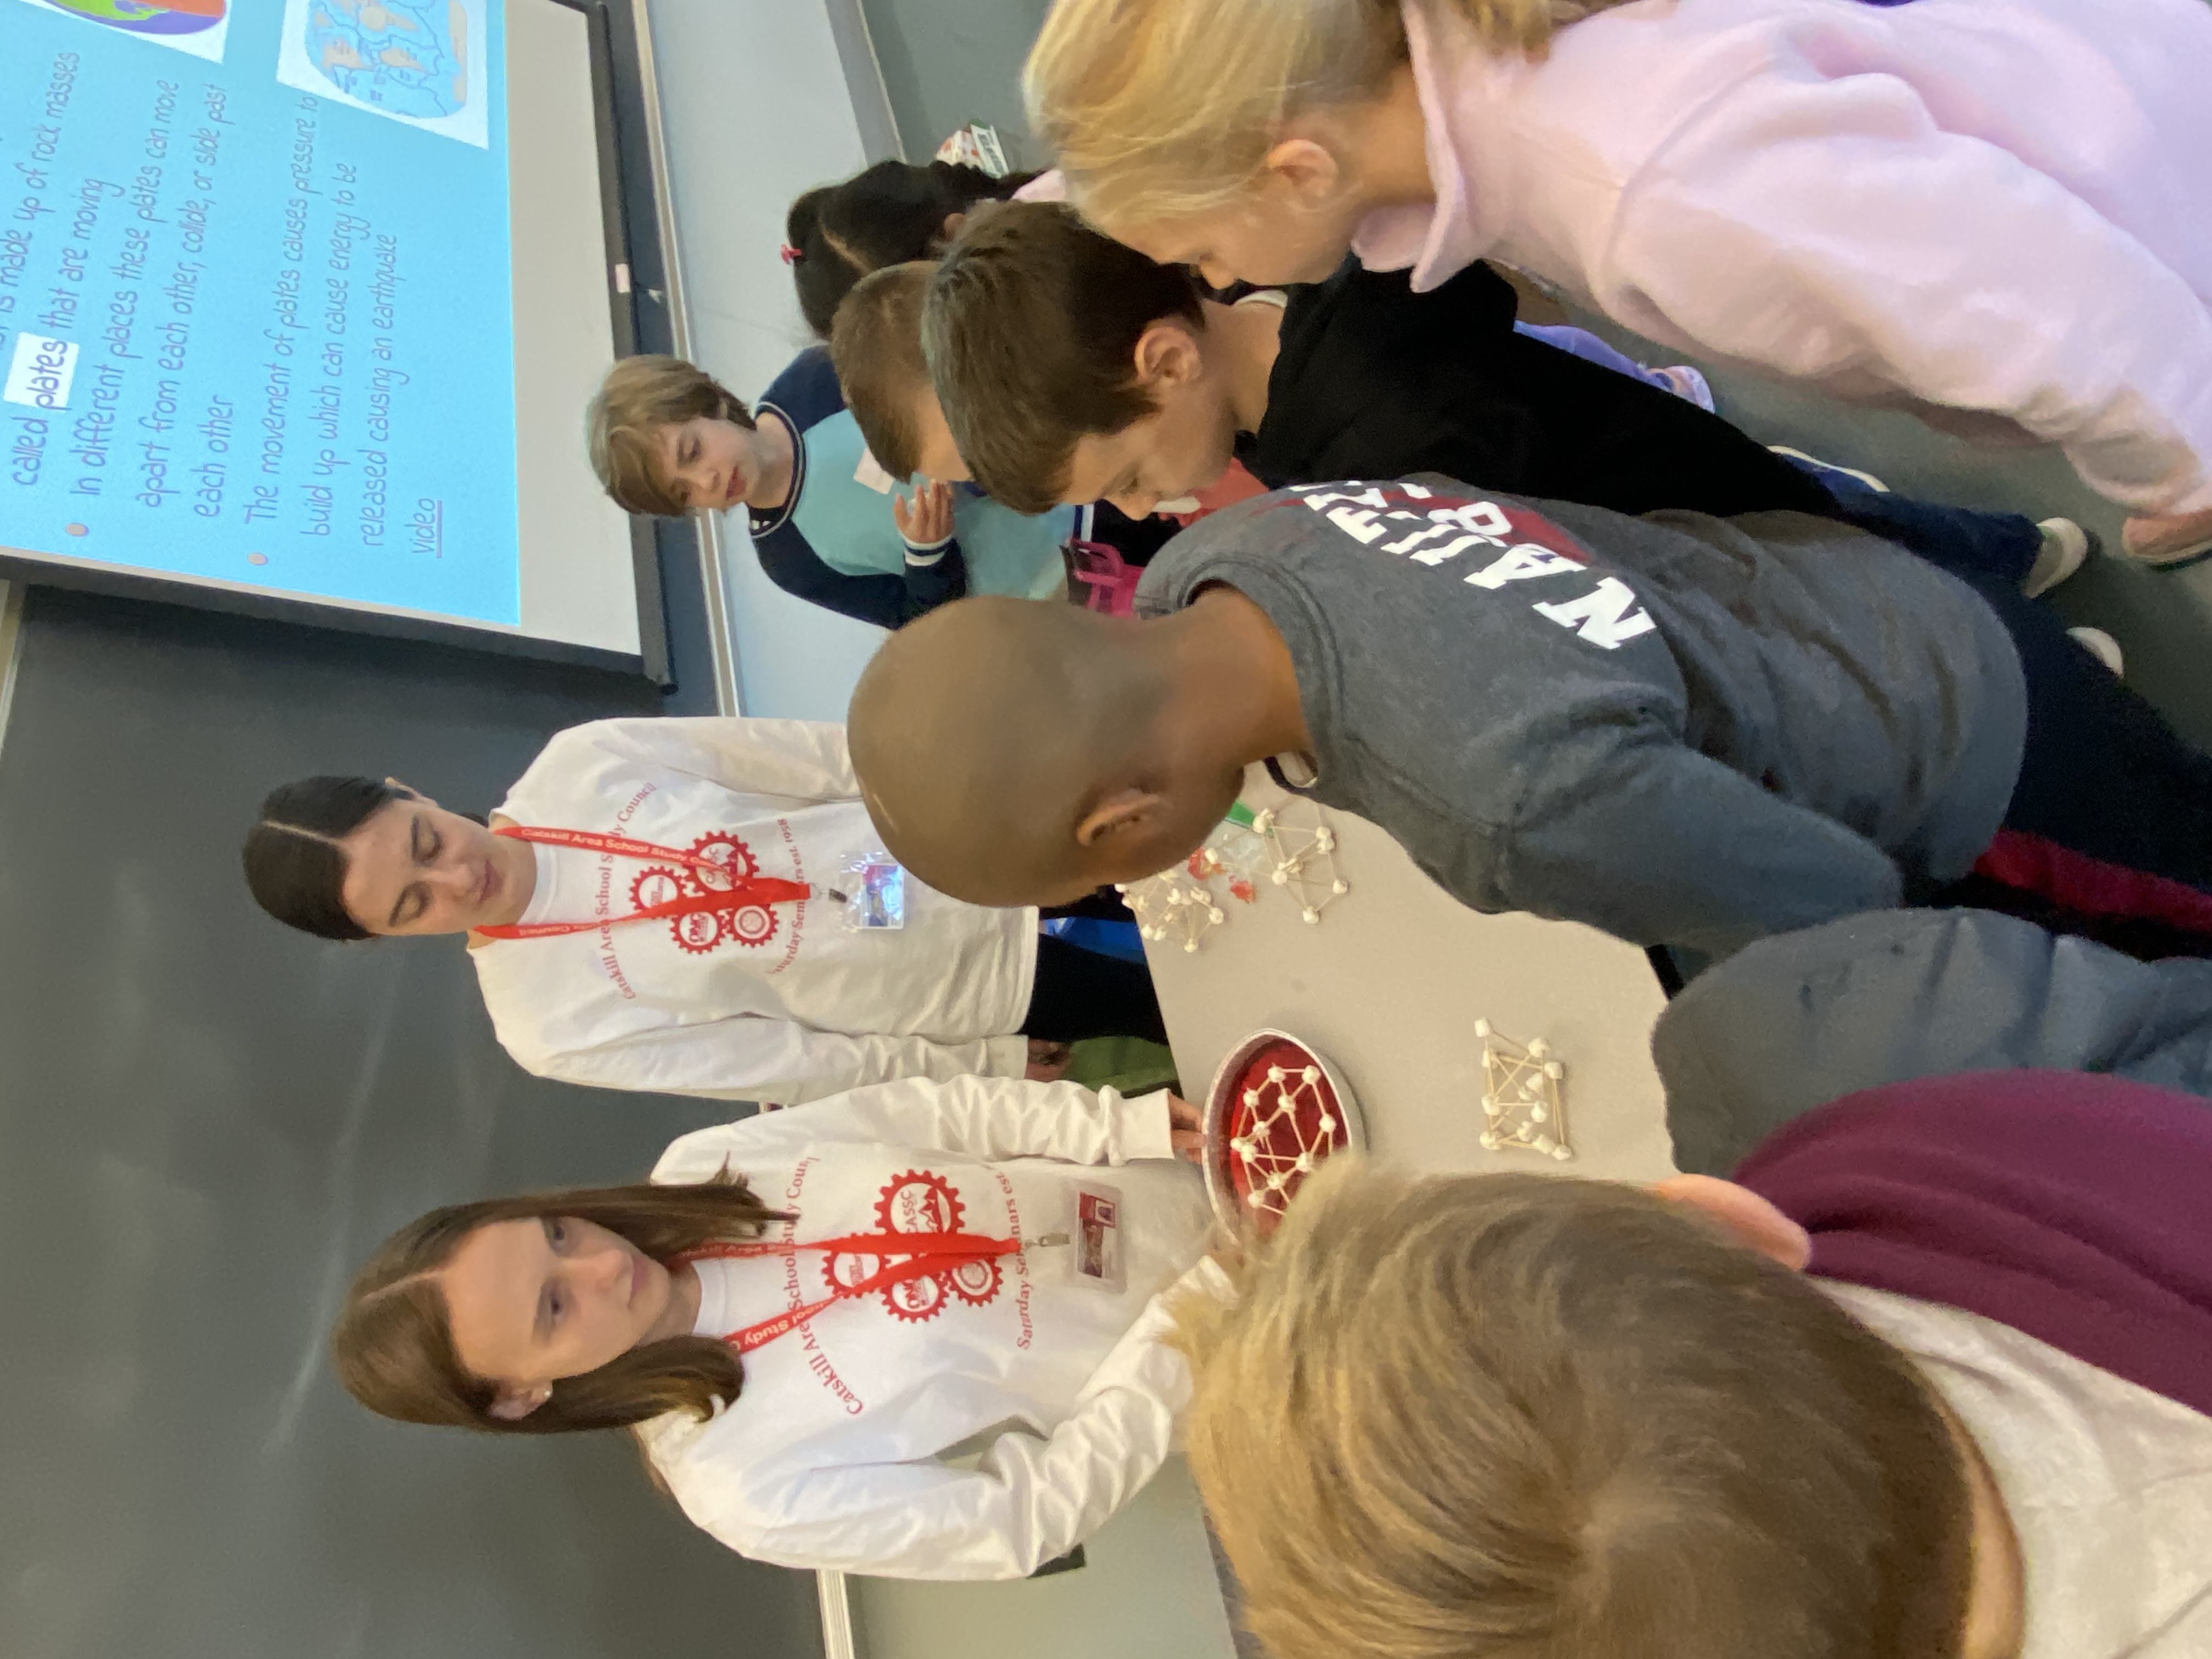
x,y
1997,213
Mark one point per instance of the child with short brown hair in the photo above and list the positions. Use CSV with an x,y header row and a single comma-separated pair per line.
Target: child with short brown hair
x,y
1073,367
875,346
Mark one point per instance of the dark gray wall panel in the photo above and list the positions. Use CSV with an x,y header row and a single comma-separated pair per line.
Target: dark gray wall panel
x,y
948,62
206,1121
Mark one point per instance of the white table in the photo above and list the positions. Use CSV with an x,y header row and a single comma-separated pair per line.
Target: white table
x,y
1388,984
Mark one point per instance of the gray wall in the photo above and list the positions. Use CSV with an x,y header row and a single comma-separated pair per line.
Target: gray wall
x,y
758,108
1147,1591
206,1121
948,62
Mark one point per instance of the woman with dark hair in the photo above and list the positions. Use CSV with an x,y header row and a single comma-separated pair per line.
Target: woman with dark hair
x,y
698,906
884,215
803,1313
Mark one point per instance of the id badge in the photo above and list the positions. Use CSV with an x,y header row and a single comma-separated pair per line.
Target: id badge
x,y
1096,1241
873,887
977,146
871,472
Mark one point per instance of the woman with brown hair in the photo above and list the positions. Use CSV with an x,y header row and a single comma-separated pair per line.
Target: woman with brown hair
x,y
801,1314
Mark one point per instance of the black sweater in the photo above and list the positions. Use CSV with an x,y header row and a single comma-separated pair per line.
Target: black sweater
x,y
1377,381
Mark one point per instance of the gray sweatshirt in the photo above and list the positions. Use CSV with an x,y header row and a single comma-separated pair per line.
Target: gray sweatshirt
x,y
1679,729
1794,1022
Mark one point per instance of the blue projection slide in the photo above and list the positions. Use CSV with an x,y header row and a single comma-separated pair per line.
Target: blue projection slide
x,y
255,323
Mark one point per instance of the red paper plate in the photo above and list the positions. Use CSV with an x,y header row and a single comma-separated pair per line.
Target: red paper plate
x,y
1277,1109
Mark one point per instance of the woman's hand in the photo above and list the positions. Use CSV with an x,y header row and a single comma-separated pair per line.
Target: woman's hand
x,y
1186,1128
924,518
1047,1060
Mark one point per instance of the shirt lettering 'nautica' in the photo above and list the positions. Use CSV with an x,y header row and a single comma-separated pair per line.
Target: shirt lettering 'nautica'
x,y
1429,529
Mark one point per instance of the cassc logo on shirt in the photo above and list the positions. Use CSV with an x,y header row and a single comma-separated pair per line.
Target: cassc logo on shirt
x,y
1431,529
920,1202
701,931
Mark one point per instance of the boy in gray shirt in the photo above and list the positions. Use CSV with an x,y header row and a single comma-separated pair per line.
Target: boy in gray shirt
x,y
1679,729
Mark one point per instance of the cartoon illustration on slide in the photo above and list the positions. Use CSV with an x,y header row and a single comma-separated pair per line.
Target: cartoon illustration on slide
x,y
412,59
198,27
417,61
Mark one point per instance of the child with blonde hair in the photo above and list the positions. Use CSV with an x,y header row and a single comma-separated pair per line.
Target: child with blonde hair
x,y
1929,1382
1985,210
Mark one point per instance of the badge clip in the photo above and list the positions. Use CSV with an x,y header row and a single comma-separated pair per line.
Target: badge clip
x,y
872,886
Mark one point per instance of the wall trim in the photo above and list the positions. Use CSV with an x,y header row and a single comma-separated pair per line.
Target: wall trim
x,y
729,698
11,635
864,82
836,1603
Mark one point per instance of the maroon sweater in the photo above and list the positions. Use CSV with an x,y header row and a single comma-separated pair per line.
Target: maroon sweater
x,y
2076,1208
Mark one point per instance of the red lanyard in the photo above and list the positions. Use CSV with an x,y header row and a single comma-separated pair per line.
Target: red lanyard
x,y
939,1251
735,891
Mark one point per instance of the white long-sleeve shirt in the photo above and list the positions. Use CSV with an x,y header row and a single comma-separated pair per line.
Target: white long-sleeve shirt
x,y
1996,212
787,1003
837,1453
2109,1485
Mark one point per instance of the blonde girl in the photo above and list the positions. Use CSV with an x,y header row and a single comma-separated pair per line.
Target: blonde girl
x,y
1996,212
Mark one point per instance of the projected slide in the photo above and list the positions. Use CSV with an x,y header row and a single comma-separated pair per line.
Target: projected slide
x,y
256,321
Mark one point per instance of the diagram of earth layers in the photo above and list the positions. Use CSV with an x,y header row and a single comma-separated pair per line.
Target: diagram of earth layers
x,y
198,27
422,62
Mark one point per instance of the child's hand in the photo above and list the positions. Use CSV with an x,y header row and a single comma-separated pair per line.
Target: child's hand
x,y
1186,1128
924,518
1047,1060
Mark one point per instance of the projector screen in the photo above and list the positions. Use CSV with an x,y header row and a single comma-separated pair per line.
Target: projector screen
x,y
302,299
